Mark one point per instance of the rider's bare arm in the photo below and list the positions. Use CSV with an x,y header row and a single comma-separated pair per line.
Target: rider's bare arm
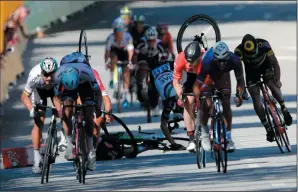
x,y
26,100
108,48
130,48
170,40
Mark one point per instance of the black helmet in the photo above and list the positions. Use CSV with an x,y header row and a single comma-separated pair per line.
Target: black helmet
x,y
250,45
192,51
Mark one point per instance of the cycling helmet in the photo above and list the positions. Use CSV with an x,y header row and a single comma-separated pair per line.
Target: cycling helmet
x,y
125,11
162,28
250,45
118,24
48,65
221,51
70,78
192,51
139,19
74,57
151,34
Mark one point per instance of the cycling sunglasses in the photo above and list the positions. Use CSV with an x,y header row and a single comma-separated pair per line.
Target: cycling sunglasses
x,y
47,74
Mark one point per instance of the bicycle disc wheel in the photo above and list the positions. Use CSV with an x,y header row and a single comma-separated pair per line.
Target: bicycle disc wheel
x,y
192,19
284,129
218,153
83,36
274,128
47,157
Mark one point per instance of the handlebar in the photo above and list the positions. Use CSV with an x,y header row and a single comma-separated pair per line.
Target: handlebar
x,y
41,106
80,106
122,63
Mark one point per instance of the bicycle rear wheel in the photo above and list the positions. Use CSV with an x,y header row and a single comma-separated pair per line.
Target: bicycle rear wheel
x,y
47,157
192,19
275,129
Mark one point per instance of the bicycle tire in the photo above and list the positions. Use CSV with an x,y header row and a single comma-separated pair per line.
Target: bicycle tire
x,y
82,151
278,139
119,92
46,159
83,35
135,147
192,19
200,152
225,147
284,126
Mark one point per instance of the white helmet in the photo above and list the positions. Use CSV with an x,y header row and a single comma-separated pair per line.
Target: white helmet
x,y
118,23
221,51
151,33
49,65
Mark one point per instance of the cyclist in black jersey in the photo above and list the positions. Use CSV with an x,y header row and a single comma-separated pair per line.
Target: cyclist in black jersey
x,y
259,59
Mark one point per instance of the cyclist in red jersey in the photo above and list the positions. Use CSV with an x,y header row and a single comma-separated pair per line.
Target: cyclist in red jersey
x,y
107,107
166,38
189,61
98,119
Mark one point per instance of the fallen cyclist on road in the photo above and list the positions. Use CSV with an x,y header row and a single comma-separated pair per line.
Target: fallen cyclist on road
x,y
259,59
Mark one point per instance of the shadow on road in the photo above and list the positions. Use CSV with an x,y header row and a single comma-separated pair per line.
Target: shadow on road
x,y
121,174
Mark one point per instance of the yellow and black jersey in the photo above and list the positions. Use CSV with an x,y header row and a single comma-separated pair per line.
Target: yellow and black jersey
x,y
264,50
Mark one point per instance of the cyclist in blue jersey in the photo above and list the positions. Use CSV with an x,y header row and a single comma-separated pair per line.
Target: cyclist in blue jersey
x,y
217,62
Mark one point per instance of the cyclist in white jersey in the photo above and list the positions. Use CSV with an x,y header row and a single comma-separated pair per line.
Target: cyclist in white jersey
x,y
75,76
119,47
37,88
152,56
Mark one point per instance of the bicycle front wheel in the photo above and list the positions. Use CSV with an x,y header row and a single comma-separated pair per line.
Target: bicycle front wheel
x,y
283,129
189,21
47,157
82,156
273,123
200,152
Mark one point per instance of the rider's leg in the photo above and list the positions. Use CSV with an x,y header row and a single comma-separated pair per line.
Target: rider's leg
x,y
141,74
252,77
205,107
270,80
68,98
223,84
126,82
189,119
88,96
114,60
37,132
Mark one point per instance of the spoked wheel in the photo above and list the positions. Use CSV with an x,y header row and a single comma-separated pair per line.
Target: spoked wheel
x,y
47,157
83,37
198,37
283,129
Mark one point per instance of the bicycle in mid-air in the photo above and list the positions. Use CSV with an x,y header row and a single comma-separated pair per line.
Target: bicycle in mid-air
x,y
275,118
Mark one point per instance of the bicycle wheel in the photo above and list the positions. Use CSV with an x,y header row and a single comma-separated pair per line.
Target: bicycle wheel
x,y
83,36
192,19
284,129
218,156
131,140
119,84
47,157
224,148
82,154
274,128
200,152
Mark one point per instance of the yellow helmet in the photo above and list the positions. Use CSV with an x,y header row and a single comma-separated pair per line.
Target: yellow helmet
x,y
125,11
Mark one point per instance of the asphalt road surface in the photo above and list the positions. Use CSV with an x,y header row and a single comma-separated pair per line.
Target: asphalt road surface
x,y
255,165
